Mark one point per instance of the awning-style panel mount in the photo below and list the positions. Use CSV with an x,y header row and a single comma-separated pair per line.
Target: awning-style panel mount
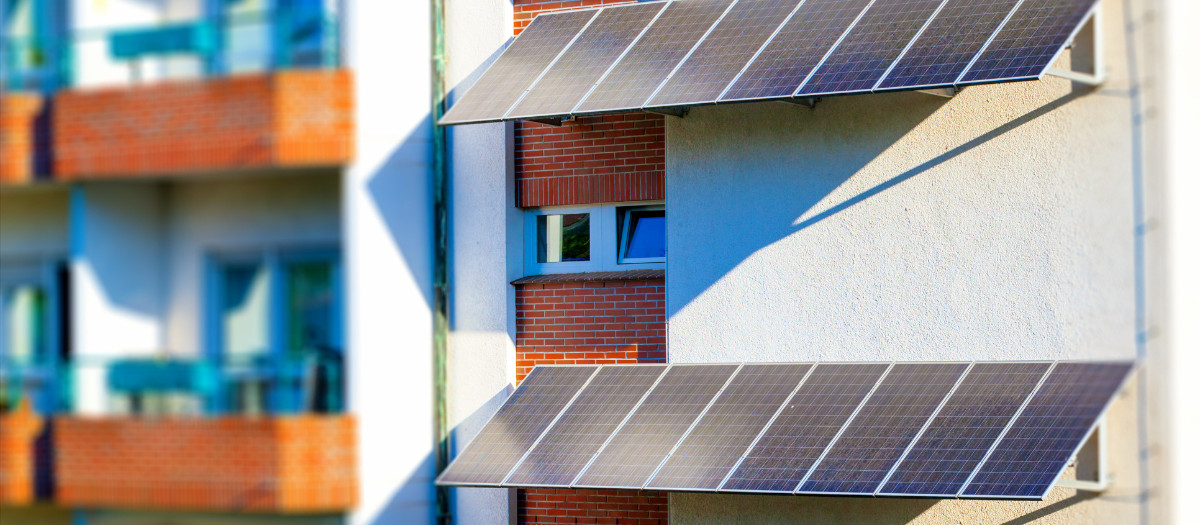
x,y
669,55
994,430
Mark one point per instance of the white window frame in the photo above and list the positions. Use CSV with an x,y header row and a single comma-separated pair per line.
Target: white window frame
x,y
604,244
622,239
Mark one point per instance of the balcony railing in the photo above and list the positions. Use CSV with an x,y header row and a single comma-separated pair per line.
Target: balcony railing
x,y
231,43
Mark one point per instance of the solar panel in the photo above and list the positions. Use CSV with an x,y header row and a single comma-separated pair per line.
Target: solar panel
x,y
1030,40
723,54
729,426
655,427
578,69
515,427
513,72
860,458
585,426
1051,428
947,46
798,48
871,47
963,431
796,438
653,57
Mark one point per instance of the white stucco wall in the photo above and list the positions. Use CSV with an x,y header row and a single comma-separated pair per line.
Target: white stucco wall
x,y
994,225
118,269
485,243
237,214
34,223
387,221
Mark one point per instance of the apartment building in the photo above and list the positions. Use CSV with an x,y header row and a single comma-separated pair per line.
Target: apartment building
x,y
246,277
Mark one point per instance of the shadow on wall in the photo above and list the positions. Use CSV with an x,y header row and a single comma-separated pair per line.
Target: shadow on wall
x,y
831,149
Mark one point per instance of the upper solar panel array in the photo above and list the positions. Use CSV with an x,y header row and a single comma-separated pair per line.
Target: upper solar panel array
x,y
978,430
679,53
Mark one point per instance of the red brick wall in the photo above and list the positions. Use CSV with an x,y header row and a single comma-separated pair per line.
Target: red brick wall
x,y
18,455
611,158
19,113
623,507
525,10
590,322
288,118
271,464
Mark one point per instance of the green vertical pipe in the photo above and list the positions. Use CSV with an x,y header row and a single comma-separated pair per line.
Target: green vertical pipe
x,y
441,287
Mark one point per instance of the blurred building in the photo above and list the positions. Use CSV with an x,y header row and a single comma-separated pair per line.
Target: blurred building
x,y
244,278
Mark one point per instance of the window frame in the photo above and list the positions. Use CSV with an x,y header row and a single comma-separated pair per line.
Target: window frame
x,y
605,243
623,239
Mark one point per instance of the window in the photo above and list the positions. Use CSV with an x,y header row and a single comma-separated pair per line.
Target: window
x,y
277,330
30,53
263,34
29,338
595,238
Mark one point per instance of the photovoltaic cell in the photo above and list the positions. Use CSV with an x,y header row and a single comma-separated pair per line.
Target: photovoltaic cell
x,y
796,439
947,46
723,54
871,47
735,419
584,426
518,423
796,50
1033,453
578,69
514,71
653,57
873,442
961,434
1029,41
650,433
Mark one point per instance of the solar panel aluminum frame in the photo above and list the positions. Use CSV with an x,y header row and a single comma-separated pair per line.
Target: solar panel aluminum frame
x,y
439,481
1049,64
575,483
763,431
612,66
909,46
1095,424
551,425
978,465
850,421
504,118
666,109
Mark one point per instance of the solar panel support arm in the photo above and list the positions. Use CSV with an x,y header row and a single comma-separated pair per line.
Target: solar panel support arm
x,y
1103,479
808,102
1089,40
941,92
674,112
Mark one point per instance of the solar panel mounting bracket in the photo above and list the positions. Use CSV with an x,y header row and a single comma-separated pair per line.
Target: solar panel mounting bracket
x,y
1103,479
808,102
948,92
551,121
1088,42
674,112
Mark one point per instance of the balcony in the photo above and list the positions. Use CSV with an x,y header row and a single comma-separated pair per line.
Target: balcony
x,y
193,436
232,92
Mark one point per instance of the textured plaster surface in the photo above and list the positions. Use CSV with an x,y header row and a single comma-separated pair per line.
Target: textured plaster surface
x,y
994,225
33,223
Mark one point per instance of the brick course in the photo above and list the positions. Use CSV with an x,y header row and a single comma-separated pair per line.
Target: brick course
x,y
525,10
279,119
273,464
611,158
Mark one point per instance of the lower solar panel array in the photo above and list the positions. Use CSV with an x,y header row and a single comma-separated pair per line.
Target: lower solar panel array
x,y
679,53
1000,430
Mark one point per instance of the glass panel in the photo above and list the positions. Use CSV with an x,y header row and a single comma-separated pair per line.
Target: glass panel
x,y
310,307
245,290
564,238
247,36
647,237
302,32
25,324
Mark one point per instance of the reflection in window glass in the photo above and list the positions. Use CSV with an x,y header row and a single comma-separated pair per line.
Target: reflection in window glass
x,y
563,238
310,308
645,235
245,293
24,324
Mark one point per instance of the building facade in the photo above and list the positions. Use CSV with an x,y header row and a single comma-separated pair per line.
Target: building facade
x,y
223,264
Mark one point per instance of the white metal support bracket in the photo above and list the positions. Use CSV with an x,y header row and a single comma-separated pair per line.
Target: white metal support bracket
x,y
1087,49
941,92
1103,479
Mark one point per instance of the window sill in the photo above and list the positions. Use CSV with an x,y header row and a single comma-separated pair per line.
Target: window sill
x,y
625,275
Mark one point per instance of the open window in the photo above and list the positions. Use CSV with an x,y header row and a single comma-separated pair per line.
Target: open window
x,y
603,238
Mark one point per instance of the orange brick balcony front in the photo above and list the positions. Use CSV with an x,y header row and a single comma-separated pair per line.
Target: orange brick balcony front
x,y
284,119
19,431
281,464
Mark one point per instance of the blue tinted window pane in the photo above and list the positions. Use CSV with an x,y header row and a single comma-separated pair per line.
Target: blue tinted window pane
x,y
647,234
